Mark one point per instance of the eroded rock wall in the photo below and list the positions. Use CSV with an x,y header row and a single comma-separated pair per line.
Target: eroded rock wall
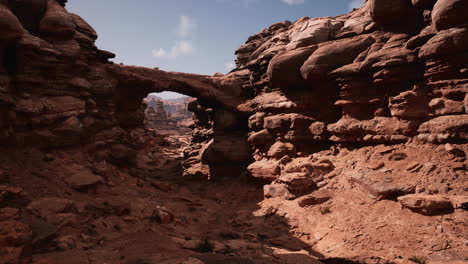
x,y
57,89
387,73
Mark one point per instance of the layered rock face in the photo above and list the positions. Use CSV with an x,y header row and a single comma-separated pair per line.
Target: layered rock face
x,y
388,73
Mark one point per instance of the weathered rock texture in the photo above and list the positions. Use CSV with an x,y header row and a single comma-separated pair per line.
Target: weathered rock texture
x,y
320,107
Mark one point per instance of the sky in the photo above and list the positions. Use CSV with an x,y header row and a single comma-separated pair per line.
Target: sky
x,y
196,36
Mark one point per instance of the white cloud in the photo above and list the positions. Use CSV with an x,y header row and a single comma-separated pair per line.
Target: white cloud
x,y
230,66
355,4
293,2
187,26
180,48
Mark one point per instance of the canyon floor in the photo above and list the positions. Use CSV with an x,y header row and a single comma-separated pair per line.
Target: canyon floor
x,y
155,215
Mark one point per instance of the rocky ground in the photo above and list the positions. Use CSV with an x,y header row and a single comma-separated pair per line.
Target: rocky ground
x,y
376,205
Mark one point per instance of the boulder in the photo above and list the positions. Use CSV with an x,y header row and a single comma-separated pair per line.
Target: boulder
x,y
449,13
81,178
444,128
29,12
381,190
281,149
45,207
317,197
70,127
274,190
280,124
83,27
385,12
163,215
332,55
57,21
256,121
10,27
446,42
307,32
261,138
427,204
298,183
225,120
265,170
284,69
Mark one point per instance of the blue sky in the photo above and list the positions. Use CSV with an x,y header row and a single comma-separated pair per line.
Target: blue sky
x,y
196,36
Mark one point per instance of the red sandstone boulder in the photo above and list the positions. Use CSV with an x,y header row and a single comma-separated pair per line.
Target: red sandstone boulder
x,y
10,27
449,13
332,55
281,149
385,12
256,121
83,27
45,207
80,178
274,190
318,197
29,12
426,204
444,128
261,138
265,170
445,43
284,69
57,21
305,32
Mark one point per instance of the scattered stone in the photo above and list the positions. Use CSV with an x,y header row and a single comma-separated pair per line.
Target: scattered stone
x,y
265,170
414,167
427,204
375,165
382,190
163,215
397,156
274,190
315,198
62,220
459,201
83,179
298,183
192,261
160,185
46,207
384,149
454,150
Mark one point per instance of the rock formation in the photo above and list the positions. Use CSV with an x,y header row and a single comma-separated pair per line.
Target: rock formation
x,y
355,126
